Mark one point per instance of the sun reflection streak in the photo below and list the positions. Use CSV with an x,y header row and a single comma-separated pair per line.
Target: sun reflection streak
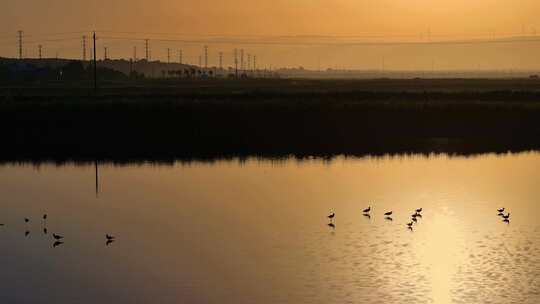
x,y
440,254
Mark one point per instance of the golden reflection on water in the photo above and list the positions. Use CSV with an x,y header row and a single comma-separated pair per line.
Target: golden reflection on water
x,y
256,232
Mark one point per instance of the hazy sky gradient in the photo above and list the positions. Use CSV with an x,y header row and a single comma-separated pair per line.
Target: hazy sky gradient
x,y
391,19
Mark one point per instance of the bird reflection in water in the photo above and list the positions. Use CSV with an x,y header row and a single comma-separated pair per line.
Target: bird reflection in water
x,y
57,243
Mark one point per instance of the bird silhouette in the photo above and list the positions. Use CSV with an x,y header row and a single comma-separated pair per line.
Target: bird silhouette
x,y
506,216
415,215
500,210
415,220
108,242
26,233
332,225
506,221
26,220
57,237
331,216
367,215
418,215
109,237
410,224
419,210
44,216
388,218
388,213
367,210
57,243
44,230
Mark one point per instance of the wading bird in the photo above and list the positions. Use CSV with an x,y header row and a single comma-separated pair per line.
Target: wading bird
x,y
57,237
367,210
506,216
388,213
418,210
109,237
331,216
500,210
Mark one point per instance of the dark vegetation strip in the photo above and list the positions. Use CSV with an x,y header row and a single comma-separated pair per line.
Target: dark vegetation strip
x,y
172,127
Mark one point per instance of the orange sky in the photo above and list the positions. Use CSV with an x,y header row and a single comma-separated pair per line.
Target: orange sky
x,y
391,19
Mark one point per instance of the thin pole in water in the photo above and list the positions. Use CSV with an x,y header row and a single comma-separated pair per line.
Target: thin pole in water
x,y
97,178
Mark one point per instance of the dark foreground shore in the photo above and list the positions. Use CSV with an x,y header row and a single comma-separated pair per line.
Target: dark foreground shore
x,y
271,119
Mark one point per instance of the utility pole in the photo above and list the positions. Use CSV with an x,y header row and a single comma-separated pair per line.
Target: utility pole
x,y
254,62
168,55
135,53
84,48
242,60
105,53
146,48
20,34
221,60
205,56
236,62
200,61
95,71
249,62
39,51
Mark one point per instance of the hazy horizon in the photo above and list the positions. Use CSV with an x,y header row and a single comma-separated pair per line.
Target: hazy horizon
x,y
343,34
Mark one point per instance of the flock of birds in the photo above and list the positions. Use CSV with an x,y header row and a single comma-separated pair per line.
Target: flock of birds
x,y
387,216
505,217
58,239
414,217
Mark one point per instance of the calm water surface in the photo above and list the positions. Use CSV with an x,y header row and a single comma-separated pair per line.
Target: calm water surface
x,y
256,232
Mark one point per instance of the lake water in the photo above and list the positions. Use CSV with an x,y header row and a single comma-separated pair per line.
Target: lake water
x,y
256,231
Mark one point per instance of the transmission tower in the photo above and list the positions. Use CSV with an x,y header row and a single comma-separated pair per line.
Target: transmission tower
x,y
221,60
20,34
242,59
84,48
146,49
249,62
236,62
205,56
